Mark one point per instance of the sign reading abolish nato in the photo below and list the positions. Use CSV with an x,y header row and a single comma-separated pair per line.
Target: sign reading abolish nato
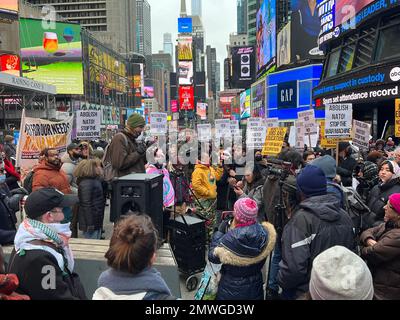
x,y
88,124
338,120
158,123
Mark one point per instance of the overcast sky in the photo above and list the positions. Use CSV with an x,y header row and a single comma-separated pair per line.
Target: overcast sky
x,y
219,20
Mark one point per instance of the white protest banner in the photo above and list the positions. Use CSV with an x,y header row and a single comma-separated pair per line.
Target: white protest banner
x,y
173,126
338,120
36,135
223,128
300,133
235,128
256,133
308,118
204,132
361,134
88,124
292,136
158,123
271,122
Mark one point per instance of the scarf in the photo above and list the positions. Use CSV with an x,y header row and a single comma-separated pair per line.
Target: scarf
x,y
56,234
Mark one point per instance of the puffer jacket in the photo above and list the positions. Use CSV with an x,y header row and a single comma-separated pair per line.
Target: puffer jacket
x,y
91,204
48,176
379,196
384,260
318,224
242,253
204,181
68,167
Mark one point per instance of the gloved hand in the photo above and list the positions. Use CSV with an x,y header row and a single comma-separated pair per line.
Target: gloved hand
x,y
141,148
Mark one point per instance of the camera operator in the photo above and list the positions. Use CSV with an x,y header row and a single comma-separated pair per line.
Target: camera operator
x,y
126,153
271,198
225,187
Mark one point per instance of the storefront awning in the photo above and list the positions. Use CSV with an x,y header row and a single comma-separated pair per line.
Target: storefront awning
x,y
13,85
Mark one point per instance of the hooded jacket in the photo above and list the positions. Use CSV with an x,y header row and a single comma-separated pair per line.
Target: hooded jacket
x,y
204,181
48,176
147,285
242,253
318,224
68,167
383,260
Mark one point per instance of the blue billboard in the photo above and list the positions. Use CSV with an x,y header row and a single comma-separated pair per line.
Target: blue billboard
x,y
185,25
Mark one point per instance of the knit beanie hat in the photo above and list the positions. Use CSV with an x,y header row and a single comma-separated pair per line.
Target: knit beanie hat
x,y
136,120
339,274
394,200
370,170
312,182
327,164
245,211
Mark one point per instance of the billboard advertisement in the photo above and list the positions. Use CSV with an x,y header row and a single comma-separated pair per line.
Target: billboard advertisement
x,y
185,51
258,99
284,48
347,9
226,104
10,64
185,73
174,106
186,98
9,8
202,110
266,35
245,102
185,25
148,92
243,67
52,56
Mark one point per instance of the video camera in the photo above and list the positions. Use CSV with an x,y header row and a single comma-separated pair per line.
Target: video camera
x,y
283,171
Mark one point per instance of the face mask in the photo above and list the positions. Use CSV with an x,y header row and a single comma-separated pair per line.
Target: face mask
x,y
2,178
258,157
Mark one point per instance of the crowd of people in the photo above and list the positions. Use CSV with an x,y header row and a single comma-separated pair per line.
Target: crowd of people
x,y
294,210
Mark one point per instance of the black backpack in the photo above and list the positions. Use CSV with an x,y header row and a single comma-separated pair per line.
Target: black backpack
x,y
28,182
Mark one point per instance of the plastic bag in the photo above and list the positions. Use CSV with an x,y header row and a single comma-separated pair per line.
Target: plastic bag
x,y
208,286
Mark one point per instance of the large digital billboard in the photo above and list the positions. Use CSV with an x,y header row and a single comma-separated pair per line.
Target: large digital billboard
x,y
185,25
347,9
245,102
258,99
266,35
9,8
148,92
185,73
185,51
52,56
11,64
186,98
243,67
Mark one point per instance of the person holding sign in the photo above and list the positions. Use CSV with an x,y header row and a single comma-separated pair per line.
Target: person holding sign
x,y
346,164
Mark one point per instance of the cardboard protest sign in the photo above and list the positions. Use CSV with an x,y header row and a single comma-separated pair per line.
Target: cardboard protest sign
x,y
274,141
88,124
361,134
338,120
256,133
158,123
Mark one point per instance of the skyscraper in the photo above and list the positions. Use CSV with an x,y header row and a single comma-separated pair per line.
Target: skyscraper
x,y
168,46
252,7
212,76
198,44
242,16
196,8
110,21
143,33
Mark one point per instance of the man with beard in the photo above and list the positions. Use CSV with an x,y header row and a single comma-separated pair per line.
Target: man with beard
x,y
125,153
69,162
48,173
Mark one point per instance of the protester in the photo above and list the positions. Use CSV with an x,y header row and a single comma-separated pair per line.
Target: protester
x,y
48,173
328,165
69,162
131,257
181,183
389,174
367,177
41,249
124,152
382,251
308,157
11,174
253,188
318,224
242,246
91,198
346,164
396,155
340,274
390,144
86,150
10,149
376,157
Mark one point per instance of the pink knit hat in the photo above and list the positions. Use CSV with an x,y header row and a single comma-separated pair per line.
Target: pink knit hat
x,y
394,200
245,211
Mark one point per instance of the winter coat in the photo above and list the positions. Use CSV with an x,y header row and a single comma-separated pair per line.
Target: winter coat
x,y
204,181
91,204
68,167
29,267
118,285
168,189
181,186
124,156
318,224
255,191
226,196
384,260
8,218
379,197
10,150
345,170
47,176
242,253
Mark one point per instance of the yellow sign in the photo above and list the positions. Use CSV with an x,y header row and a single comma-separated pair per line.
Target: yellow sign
x,y
397,118
169,118
326,143
274,141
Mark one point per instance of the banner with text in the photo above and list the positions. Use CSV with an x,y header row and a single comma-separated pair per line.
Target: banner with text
x,y
204,132
274,141
88,124
223,128
361,134
158,123
338,120
256,133
397,118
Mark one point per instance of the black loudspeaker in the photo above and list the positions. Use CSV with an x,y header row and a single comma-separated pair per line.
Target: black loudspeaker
x,y
141,193
188,243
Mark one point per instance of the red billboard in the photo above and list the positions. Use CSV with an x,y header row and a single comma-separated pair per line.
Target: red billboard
x,y
10,64
186,98
225,105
